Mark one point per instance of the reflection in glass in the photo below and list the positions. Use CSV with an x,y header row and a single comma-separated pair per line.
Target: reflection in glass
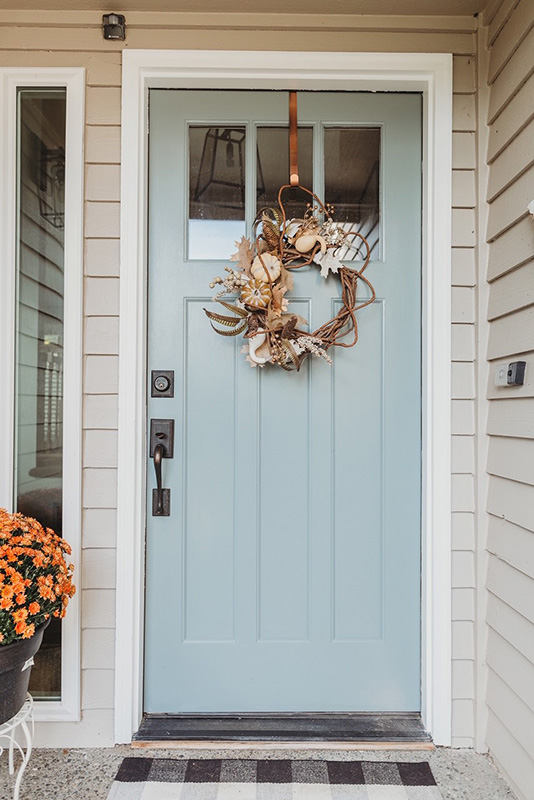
x,y
216,190
273,168
352,181
39,378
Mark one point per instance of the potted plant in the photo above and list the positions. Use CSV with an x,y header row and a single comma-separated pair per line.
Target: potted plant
x,y
35,585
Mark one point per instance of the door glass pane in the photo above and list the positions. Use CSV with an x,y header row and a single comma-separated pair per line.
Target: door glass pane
x,y
39,359
352,182
273,168
216,190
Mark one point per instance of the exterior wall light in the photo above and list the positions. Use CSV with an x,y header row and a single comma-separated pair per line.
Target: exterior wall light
x,y
114,26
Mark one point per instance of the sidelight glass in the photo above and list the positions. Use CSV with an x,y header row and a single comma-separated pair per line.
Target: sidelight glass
x,y
38,463
352,182
217,173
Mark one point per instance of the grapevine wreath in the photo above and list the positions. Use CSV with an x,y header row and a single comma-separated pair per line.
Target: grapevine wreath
x,y
262,278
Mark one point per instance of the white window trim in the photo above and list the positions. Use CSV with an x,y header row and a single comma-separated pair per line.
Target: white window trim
x,y
430,74
68,709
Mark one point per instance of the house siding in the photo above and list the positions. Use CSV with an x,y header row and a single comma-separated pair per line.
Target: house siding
x,y
510,234
75,39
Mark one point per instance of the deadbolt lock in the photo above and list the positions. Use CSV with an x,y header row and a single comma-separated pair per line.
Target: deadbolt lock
x,y
162,384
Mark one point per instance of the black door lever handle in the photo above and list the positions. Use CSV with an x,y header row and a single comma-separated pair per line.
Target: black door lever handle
x,y
158,455
161,446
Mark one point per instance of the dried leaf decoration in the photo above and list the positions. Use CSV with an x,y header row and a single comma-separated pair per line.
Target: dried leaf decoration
x,y
278,299
245,254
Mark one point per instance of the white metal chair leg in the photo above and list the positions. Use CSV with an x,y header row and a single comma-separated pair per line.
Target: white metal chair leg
x,y
8,730
25,759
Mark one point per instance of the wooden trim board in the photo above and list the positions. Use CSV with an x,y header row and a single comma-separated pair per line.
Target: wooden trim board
x,y
300,747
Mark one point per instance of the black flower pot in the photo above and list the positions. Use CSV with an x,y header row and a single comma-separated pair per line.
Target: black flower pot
x,y
14,679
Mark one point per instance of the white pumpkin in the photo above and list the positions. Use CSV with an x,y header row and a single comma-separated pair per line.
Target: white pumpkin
x,y
265,267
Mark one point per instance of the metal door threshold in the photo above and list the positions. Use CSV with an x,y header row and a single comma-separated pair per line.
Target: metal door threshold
x,y
297,728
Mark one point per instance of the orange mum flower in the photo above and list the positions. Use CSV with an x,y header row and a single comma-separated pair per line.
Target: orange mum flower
x,y
34,576
29,631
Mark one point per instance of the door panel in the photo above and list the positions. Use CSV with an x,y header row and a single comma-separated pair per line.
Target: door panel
x,y
287,577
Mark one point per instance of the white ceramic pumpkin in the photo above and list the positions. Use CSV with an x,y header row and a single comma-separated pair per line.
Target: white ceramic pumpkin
x,y
265,266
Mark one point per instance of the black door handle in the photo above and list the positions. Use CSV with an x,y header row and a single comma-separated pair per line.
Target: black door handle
x,y
161,446
158,455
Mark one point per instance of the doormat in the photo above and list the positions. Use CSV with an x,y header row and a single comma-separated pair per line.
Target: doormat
x,y
284,779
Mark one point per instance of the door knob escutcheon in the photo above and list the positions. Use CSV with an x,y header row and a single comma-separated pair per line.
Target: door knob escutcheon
x,y
161,446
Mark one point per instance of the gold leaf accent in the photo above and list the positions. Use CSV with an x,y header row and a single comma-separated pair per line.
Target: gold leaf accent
x,y
235,332
235,309
230,322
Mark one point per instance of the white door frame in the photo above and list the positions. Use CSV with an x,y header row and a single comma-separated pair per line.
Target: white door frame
x,y
430,74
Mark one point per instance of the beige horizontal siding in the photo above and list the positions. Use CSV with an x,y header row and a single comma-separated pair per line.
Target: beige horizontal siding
x,y
75,39
496,15
512,162
513,627
512,711
511,38
513,546
510,578
512,77
512,501
513,334
512,759
512,119
512,458
511,249
513,291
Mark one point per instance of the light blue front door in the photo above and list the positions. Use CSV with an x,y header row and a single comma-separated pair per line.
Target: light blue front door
x,y
287,576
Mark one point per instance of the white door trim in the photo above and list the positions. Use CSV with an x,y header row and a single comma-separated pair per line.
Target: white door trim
x,y
430,74
73,79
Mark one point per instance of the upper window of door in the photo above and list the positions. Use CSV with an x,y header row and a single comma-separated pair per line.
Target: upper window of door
x,y
217,180
235,169
352,182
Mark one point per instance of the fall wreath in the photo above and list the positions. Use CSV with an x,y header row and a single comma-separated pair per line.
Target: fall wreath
x,y
262,278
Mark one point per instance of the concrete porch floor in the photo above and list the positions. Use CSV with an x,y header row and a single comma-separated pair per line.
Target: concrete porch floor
x,y
87,774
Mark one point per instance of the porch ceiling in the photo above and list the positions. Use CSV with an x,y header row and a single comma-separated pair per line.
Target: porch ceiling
x,y
373,7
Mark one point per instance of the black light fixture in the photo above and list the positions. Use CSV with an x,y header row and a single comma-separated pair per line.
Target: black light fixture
x,y
114,26
50,181
210,173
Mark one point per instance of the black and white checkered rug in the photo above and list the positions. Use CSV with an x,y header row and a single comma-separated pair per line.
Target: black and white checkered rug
x,y
281,779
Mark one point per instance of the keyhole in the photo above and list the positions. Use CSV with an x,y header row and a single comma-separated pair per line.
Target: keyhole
x,y
162,383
